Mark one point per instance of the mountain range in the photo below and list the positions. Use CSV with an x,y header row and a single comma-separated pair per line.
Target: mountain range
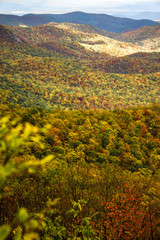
x,y
137,15
101,21
77,66
79,129
147,15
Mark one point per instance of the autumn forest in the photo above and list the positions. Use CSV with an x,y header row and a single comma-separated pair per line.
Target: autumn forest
x,y
79,133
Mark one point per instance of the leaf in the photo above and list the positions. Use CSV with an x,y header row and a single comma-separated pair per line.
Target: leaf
x,y
3,130
3,146
46,159
76,213
27,130
52,202
37,163
4,231
23,215
70,211
31,236
7,169
86,221
37,139
4,119
79,206
15,143
18,235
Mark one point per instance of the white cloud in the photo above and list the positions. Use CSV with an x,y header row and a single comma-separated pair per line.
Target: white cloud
x,y
20,1
13,1
72,5
95,2
96,5
78,2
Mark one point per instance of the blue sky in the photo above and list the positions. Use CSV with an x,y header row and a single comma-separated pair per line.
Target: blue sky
x,y
62,6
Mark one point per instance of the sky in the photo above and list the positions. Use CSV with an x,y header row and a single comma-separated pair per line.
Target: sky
x,y
21,7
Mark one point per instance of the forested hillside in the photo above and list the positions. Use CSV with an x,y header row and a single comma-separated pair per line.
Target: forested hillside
x,y
42,68
79,133
140,34
100,180
57,37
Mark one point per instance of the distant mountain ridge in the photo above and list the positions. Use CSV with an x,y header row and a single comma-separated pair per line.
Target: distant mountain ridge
x,y
101,21
148,15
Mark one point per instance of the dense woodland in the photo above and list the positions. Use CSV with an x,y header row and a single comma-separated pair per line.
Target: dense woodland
x,y
103,180
79,135
45,69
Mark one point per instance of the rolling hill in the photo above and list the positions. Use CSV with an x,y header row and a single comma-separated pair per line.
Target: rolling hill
x,y
51,67
82,41
79,123
140,34
102,21
79,132
140,62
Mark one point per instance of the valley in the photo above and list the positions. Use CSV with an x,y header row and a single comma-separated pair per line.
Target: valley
x,y
72,67
79,130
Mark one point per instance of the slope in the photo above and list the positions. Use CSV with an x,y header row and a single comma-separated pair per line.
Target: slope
x,y
6,35
145,39
140,34
83,28
32,76
56,40
140,62
80,41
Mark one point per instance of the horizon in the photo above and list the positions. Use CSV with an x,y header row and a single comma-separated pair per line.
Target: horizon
x,y
119,8
138,15
20,13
